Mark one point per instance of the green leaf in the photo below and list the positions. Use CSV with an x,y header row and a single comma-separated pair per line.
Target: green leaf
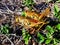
x,y
47,41
39,35
54,40
48,35
23,13
40,38
49,29
58,17
56,8
58,26
26,36
26,42
4,29
28,3
56,11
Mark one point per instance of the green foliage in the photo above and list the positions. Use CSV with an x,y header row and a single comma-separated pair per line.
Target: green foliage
x,y
58,26
40,38
57,12
49,36
50,29
28,3
50,33
4,29
26,36
54,41
23,13
47,41
56,9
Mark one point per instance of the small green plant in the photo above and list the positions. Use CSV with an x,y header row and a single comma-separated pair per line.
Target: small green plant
x,y
50,29
57,12
58,26
26,36
40,38
23,13
49,36
56,9
28,3
4,29
50,33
